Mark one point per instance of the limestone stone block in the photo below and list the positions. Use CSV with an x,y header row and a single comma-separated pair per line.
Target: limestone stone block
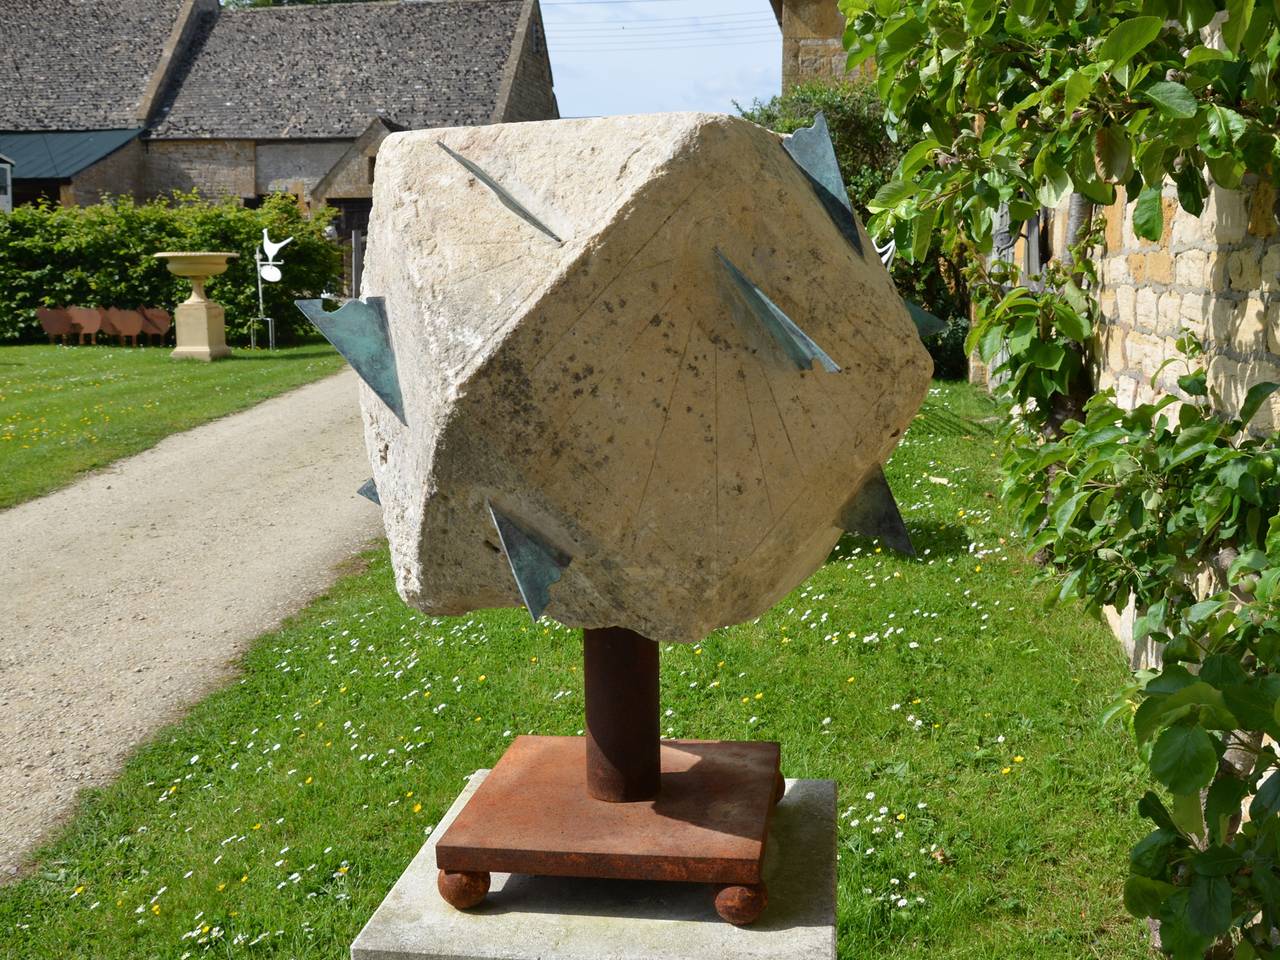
x,y
1115,236
1226,215
1273,328
1169,314
1195,312
1189,268
1244,267
1137,264
1159,267
1250,332
1126,299
1262,210
1187,229
1115,270
1217,273
1145,353
1271,269
1224,315
1146,308
574,354
1111,347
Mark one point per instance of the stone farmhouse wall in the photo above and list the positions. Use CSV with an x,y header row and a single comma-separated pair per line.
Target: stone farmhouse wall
x,y
1216,276
115,174
812,47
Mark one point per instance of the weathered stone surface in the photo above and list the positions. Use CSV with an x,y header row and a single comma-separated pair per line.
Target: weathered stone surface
x,y
532,918
610,393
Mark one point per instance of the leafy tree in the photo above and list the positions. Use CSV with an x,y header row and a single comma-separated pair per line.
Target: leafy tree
x,y
1009,106
867,160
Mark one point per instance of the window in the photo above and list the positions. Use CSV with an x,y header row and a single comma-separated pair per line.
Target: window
x,y
6,199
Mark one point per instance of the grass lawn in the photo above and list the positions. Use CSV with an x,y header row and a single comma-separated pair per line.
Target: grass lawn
x,y
984,812
65,410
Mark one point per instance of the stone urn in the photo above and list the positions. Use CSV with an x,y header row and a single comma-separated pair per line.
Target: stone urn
x,y
199,323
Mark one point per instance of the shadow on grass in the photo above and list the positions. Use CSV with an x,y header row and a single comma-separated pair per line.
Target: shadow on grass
x,y
279,356
936,420
940,539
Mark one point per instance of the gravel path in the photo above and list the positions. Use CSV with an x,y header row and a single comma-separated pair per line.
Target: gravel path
x,y
128,596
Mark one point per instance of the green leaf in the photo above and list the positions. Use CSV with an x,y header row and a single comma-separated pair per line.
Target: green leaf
x,y
1078,87
1148,213
1128,39
891,194
1154,810
1239,13
1266,802
1252,706
1254,399
917,157
1226,794
1217,861
1113,153
1173,99
1209,906
1183,759
1055,185
1203,54
1150,855
1143,896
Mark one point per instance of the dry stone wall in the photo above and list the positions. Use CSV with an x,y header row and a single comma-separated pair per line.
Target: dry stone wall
x,y
1216,276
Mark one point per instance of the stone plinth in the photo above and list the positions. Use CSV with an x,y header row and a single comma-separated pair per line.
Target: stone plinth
x,y
200,331
199,323
524,918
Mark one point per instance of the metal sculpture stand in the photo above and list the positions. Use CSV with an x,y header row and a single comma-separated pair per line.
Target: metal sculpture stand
x,y
620,803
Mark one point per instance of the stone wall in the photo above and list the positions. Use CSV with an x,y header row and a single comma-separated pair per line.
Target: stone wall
x,y
812,47
527,88
116,174
217,168
1216,276
295,166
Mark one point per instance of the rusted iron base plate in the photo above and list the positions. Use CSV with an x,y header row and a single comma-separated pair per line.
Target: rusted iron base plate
x,y
533,815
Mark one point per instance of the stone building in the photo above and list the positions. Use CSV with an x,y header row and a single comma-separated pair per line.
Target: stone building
x,y
144,97
1216,276
812,34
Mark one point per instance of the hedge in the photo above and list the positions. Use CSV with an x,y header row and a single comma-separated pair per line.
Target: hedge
x,y
102,256
867,160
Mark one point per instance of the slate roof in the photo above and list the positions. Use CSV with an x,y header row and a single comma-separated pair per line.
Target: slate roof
x,y
79,64
61,154
312,72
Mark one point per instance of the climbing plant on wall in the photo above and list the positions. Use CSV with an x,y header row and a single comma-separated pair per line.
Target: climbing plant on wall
x,y
1016,105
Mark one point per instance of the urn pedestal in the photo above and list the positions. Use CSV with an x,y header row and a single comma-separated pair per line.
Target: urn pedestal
x,y
199,323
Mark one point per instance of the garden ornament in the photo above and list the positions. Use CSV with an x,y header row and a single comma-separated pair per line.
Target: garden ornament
x,y
638,374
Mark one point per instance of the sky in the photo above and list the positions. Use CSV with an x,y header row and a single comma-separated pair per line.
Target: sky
x,y
655,56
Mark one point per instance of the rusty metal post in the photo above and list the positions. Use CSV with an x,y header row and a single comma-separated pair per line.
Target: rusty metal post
x,y
620,673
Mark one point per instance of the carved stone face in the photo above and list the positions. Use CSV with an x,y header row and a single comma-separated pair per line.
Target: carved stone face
x,y
590,327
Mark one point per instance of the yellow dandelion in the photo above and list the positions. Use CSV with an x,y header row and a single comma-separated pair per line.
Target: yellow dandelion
x,y
1006,770
850,680
155,908
342,870
408,795
759,696
222,886
720,663
80,889
417,808
481,678
342,689
977,568
1019,758
902,817
308,780
244,878
746,699
534,659
427,693
257,826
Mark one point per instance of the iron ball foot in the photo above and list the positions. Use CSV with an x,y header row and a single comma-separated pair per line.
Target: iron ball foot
x,y
742,904
462,890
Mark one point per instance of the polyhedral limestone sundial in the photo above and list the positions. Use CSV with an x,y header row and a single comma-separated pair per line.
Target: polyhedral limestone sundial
x,y
639,374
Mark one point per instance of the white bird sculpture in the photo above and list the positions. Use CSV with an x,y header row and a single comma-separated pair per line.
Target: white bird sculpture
x,y
273,248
